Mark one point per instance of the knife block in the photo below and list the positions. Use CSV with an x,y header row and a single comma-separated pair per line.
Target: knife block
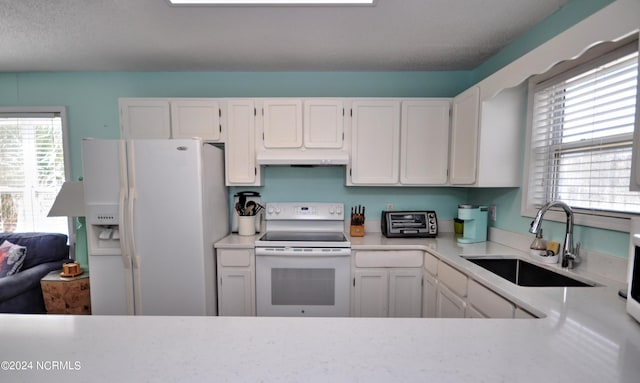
x,y
357,230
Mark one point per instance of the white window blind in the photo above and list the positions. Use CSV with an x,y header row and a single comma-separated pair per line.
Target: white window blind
x,y
582,130
31,171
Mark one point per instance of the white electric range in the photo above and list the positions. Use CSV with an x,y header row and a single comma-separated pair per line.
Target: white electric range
x,y
303,261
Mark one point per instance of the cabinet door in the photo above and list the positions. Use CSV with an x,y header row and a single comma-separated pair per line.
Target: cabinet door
x,y
323,123
429,295
375,142
371,293
144,118
489,303
424,150
235,292
464,137
196,118
522,314
240,148
282,123
405,293
448,304
471,312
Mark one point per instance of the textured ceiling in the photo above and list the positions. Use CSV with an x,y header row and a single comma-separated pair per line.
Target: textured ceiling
x,y
150,35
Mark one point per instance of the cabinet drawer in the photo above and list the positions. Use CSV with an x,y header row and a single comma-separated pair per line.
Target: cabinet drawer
x,y
412,258
235,258
455,280
431,263
488,302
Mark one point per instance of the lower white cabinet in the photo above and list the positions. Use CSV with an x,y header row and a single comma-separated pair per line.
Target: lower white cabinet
x,y
471,312
490,304
522,314
371,293
405,293
448,304
387,292
451,292
236,282
429,295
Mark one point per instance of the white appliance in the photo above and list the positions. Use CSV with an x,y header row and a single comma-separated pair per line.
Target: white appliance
x,y
154,209
633,293
303,261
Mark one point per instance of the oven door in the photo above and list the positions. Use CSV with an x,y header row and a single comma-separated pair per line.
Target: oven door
x,y
291,284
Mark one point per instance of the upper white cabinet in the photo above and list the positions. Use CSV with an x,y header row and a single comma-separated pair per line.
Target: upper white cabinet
x,y
301,131
196,118
240,147
297,123
323,123
282,123
464,137
399,142
486,138
375,146
144,118
170,118
424,137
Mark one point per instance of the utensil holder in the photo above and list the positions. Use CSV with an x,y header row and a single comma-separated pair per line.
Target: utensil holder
x,y
247,225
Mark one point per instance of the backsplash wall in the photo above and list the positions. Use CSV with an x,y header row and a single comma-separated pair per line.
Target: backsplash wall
x,y
327,184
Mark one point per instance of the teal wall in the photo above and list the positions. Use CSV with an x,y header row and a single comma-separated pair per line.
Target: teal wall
x,y
508,200
92,107
563,19
91,98
327,184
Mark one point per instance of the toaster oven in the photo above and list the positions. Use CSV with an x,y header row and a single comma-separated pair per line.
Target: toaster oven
x,y
395,224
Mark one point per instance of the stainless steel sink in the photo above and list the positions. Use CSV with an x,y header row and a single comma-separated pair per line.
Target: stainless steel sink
x,y
523,273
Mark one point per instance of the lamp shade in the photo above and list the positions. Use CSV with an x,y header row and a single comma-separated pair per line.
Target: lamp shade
x,y
69,201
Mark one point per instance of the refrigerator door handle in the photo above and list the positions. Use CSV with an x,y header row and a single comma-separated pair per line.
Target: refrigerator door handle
x,y
125,246
131,207
132,201
124,224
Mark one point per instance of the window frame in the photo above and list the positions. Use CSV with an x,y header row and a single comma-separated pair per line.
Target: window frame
x,y
598,54
7,111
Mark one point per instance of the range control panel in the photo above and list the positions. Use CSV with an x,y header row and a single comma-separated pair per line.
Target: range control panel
x,y
320,211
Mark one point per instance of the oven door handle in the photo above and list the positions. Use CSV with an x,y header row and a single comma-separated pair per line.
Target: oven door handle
x,y
302,252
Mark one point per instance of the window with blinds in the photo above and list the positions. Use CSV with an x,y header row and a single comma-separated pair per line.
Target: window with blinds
x,y
582,124
32,171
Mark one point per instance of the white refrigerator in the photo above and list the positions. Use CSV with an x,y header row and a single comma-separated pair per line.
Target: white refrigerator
x,y
154,208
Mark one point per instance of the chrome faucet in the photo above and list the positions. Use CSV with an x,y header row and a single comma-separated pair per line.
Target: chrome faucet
x,y
570,255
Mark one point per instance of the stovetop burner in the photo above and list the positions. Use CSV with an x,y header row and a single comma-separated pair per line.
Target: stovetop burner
x,y
303,236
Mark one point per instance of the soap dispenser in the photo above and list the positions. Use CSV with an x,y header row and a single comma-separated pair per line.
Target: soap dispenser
x,y
539,245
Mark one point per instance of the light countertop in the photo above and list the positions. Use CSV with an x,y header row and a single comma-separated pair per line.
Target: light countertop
x,y
585,336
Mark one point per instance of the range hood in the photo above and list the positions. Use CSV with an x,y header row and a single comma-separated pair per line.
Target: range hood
x,y
302,157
